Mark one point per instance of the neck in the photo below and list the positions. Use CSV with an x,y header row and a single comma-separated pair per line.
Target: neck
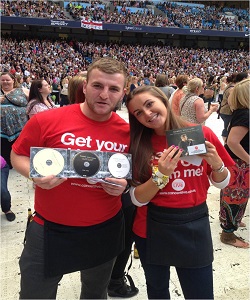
x,y
8,90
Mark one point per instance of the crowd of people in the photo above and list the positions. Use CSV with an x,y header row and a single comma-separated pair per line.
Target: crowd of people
x,y
99,92
56,59
163,89
172,15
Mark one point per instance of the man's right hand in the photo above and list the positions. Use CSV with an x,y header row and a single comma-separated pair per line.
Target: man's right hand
x,y
48,182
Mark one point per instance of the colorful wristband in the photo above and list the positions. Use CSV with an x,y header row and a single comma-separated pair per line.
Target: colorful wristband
x,y
158,178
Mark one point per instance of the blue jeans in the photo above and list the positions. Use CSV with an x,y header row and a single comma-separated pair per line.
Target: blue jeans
x,y
5,194
196,283
226,119
34,285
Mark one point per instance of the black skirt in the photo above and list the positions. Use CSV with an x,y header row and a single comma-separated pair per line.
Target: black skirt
x,y
179,237
72,248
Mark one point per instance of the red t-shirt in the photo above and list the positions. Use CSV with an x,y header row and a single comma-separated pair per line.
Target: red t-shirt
x,y
75,202
188,184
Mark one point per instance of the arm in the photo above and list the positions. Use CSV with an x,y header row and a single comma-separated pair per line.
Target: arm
x,y
166,164
213,159
235,136
201,115
21,164
26,92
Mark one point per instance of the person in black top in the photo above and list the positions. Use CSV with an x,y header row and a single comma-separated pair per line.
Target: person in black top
x,y
234,198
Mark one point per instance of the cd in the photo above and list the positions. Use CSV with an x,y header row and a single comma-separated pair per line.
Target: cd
x,y
86,164
48,162
119,165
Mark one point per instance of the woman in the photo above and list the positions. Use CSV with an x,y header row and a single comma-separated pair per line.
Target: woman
x,y
75,89
224,109
209,92
173,193
134,83
26,82
162,83
234,197
39,99
222,87
181,82
192,107
13,112
64,92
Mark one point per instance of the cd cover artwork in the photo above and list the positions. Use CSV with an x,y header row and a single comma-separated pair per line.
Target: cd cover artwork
x,y
190,139
79,164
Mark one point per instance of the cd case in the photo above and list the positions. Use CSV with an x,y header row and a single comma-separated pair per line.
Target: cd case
x,y
190,139
79,164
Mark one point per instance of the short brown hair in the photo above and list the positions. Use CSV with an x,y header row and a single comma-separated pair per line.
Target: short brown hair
x,y
108,65
181,80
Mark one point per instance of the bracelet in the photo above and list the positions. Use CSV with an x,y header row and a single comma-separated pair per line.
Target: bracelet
x,y
220,170
158,178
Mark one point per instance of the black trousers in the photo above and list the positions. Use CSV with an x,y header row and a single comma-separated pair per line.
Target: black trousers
x,y
122,258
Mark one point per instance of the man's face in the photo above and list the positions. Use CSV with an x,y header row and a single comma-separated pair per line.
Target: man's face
x,y
102,93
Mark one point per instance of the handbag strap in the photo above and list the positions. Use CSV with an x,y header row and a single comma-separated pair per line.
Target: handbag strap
x,y
187,97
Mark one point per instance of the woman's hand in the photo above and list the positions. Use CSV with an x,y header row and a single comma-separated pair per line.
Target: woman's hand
x,y
212,157
169,160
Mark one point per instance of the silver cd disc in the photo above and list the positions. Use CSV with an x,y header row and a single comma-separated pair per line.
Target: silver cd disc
x,y
119,165
48,162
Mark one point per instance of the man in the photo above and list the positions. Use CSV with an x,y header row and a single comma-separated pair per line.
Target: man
x,y
78,226
184,143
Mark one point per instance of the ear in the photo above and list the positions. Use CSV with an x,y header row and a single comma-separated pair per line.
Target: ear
x,y
84,86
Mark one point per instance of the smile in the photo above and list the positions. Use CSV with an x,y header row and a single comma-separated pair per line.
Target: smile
x,y
153,118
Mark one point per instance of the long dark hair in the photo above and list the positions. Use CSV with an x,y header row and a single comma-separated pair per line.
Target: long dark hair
x,y
35,93
141,146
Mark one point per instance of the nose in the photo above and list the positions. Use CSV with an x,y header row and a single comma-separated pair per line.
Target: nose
x,y
104,93
147,112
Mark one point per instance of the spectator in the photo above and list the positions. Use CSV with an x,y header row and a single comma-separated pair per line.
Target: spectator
x,y
13,112
134,83
26,82
234,197
162,83
64,92
192,106
75,89
224,110
39,99
210,90
181,82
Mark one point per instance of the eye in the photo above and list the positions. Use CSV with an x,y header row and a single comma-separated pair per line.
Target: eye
x,y
96,85
138,113
149,104
114,89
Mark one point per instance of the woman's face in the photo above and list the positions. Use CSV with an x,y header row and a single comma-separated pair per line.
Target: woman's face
x,y
149,111
45,89
6,82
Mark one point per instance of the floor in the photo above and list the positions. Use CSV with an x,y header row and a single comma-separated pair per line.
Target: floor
x,y
231,265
